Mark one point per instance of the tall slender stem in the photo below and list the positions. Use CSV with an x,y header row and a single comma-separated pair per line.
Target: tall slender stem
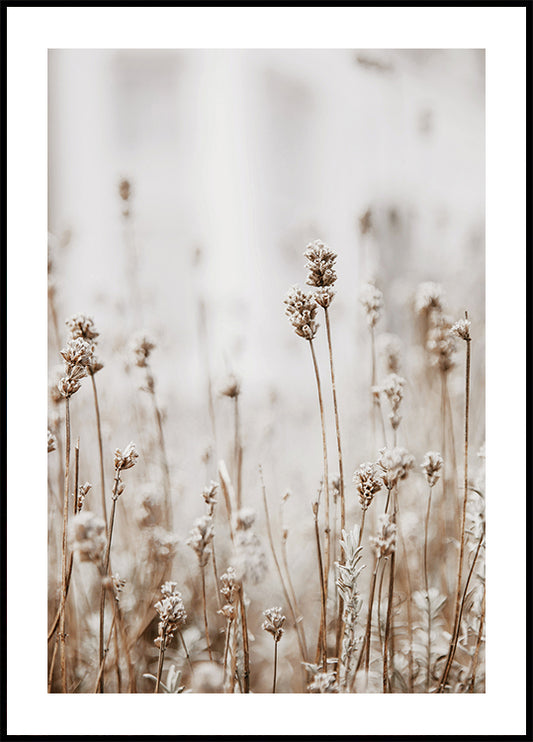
x,y
426,583
100,449
64,563
245,645
160,665
326,485
275,666
322,635
455,634
204,602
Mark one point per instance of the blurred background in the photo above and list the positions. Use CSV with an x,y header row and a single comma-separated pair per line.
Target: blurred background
x,y
237,159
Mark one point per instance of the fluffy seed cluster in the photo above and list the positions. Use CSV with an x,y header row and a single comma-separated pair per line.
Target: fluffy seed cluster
x,y
390,348
301,310
461,329
392,388
200,537
83,491
372,300
160,543
141,348
323,682
209,494
171,613
368,483
127,459
249,556
441,343
82,326
395,464
78,356
229,590
429,297
384,541
432,465
87,536
322,276
273,623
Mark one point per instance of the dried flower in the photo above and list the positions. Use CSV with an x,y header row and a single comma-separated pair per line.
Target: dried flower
x,y
462,329
81,326
372,300
324,296
385,539
368,484
83,491
249,557
273,623
432,465
323,682
127,459
209,495
52,442
171,613
78,354
301,310
244,519
441,344
124,189
392,387
200,537
161,544
429,297
141,347
320,262
87,536
229,585
232,387
389,348
395,464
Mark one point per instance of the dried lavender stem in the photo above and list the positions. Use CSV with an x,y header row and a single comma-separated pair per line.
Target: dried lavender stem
x,y
238,454
301,642
204,602
322,633
426,583
64,550
245,647
326,486
160,665
107,554
164,458
275,666
100,449
386,679
455,634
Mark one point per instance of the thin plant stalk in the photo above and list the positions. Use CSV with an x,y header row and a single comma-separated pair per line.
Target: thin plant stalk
x,y
455,634
160,665
322,641
326,485
164,458
275,666
245,645
473,668
388,627
301,640
204,602
107,554
426,583
238,453
64,562
100,449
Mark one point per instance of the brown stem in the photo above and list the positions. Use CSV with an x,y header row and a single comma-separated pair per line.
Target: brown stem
x,y
322,634
107,553
238,454
100,449
478,645
64,565
426,583
245,647
455,634
301,642
204,602
275,666
160,664
164,458
386,679
326,485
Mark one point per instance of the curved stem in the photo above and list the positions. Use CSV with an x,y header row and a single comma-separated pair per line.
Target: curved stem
x,y
426,582
100,449
64,564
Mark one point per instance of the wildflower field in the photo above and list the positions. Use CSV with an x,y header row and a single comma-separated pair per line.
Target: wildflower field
x,y
276,487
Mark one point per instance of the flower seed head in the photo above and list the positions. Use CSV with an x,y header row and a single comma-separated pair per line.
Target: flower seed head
x,y
127,459
432,465
82,326
52,442
395,464
273,623
301,311
200,537
372,300
385,540
171,613
320,262
141,347
368,484
462,329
